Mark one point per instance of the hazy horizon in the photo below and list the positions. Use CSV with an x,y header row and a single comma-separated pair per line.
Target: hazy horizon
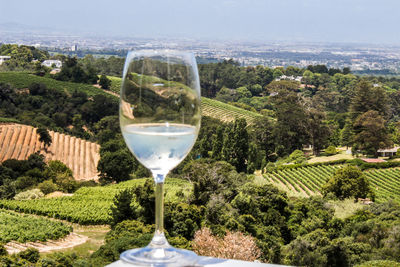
x,y
340,21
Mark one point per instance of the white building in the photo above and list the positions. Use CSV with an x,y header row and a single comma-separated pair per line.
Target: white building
x,y
50,62
4,58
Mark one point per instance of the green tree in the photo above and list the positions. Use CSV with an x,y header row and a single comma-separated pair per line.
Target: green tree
x,y
122,208
318,129
44,137
115,166
236,145
346,134
366,97
291,127
217,144
348,182
104,82
371,133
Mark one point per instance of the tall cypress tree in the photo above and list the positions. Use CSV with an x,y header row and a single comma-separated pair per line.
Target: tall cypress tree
x,y
240,145
217,144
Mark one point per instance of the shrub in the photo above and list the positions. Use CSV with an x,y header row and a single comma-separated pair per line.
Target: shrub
x,y
47,187
331,150
3,250
235,245
297,157
30,254
30,194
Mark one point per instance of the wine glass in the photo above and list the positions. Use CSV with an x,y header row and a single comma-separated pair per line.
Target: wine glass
x,y
160,119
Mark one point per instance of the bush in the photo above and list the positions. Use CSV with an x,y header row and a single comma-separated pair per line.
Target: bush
x,y
47,187
30,254
348,182
3,250
297,157
30,194
331,150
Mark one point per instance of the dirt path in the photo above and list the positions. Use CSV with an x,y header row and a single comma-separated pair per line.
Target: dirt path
x,y
69,241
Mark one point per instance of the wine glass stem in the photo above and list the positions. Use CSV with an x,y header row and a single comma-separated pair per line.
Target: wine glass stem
x,y
159,207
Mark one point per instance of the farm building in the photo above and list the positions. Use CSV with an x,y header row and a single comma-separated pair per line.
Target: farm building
x,y
388,152
4,58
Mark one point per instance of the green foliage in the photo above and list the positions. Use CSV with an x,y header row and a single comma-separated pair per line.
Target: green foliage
x,y
125,235
297,157
212,178
104,82
370,133
122,209
330,150
47,187
44,136
72,71
116,166
29,194
29,254
235,147
24,228
3,250
183,220
348,182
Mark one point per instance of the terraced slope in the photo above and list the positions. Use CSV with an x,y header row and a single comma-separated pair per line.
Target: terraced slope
x,y
307,181
19,141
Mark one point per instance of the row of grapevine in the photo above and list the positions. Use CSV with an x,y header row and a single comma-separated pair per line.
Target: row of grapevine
x,y
226,112
24,228
89,205
386,183
307,181
19,141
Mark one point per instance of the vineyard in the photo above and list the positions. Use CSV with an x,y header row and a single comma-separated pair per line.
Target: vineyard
x,y
89,205
304,181
19,141
307,181
386,183
211,108
226,112
25,228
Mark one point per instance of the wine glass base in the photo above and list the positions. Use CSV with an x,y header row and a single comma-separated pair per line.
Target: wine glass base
x,y
170,256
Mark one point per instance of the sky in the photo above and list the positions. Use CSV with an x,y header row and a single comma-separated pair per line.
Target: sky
x,y
354,21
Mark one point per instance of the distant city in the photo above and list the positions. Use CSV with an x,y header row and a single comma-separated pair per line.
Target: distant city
x,y
360,58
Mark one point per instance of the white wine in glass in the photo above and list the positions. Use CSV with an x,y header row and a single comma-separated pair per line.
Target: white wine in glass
x,y
160,117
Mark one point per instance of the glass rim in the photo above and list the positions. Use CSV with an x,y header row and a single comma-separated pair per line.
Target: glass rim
x,y
161,52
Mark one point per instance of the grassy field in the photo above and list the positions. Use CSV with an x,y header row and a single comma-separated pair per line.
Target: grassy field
x,y
340,155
